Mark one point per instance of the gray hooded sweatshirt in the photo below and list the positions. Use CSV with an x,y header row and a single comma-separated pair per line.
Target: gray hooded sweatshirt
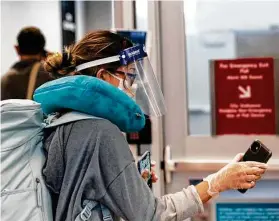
x,y
91,160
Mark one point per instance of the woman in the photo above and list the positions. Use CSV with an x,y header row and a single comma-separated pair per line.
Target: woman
x,y
90,159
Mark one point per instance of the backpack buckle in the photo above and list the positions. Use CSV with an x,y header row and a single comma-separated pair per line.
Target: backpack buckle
x,y
85,213
107,218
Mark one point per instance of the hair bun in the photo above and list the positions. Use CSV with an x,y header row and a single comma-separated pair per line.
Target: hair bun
x,y
53,63
59,64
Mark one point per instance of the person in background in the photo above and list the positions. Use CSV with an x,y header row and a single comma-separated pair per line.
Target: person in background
x,y
91,159
30,49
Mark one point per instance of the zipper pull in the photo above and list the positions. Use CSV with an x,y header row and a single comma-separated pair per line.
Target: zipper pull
x,y
39,192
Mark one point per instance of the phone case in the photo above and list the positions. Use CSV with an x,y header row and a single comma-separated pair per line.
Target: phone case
x,y
263,155
145,163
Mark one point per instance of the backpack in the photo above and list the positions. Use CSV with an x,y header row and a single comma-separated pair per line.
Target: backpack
x,y
24,195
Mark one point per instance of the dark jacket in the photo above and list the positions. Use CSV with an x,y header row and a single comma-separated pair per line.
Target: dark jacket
x,y
14,83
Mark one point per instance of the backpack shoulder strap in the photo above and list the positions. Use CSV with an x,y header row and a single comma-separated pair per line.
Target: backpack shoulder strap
x,y
89,207
70,117
106,213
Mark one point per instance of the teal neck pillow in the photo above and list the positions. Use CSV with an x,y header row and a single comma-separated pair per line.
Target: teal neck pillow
x,y
92,96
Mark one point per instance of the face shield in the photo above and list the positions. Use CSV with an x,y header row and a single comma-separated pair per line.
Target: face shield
x,y
139,82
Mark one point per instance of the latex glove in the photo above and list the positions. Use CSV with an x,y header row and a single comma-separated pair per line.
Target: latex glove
x,y
235,175
145,173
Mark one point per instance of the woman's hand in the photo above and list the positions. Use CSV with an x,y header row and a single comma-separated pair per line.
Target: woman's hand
x,y
145,173
236,175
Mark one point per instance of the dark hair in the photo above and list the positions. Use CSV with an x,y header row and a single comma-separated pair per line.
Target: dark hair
x,y
31,41
95,45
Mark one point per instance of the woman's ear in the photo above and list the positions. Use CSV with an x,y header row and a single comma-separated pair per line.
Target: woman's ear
x,y
103,74
100,74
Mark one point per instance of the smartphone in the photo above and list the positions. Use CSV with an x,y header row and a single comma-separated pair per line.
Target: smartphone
x,y
145,163
256,152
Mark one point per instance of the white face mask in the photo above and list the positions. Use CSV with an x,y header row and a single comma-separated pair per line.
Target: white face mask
x,y
130,93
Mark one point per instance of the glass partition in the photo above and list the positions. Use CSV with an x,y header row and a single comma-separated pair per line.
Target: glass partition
x,y
223,29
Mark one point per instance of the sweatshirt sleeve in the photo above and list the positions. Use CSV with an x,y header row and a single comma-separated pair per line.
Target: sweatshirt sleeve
x,y
128,195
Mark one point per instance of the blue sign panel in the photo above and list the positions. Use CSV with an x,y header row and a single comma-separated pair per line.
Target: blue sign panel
x,y
247,211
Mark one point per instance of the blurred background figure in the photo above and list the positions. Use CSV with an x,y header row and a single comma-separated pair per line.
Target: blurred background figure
x,y
30,49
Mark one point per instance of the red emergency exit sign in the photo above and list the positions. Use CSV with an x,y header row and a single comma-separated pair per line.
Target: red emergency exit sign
x,y
245,96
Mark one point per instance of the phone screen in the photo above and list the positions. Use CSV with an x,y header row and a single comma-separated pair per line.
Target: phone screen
x,y
145,163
